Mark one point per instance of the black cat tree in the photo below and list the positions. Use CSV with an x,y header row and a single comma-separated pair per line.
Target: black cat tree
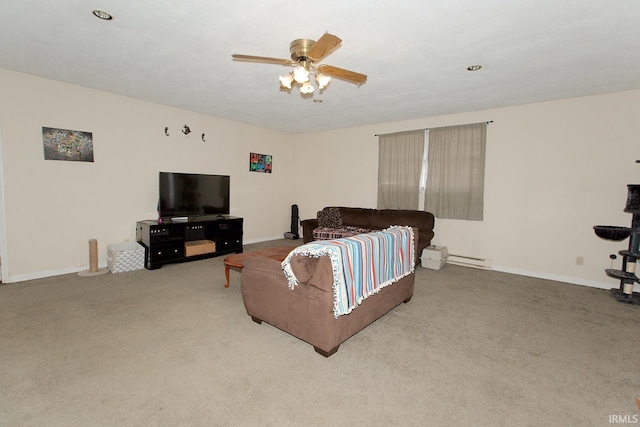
x,y
627,275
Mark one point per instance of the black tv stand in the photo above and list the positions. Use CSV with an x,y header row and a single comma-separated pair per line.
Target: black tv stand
x,y
197,238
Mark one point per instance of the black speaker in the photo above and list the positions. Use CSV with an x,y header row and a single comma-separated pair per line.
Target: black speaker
x,y
295,221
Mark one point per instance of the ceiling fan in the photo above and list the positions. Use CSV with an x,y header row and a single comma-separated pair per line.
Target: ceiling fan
x,y
305,55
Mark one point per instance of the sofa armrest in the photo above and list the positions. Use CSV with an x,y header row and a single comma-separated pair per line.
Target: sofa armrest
x,y
317,272
313,271
303,311
308,225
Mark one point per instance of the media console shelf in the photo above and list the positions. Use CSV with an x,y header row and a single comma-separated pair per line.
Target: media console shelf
x,y
180,241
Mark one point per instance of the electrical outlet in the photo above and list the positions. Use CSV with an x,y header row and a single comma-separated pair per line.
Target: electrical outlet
x,y
579,260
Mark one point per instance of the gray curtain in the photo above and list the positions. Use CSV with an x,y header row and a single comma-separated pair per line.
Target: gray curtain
x,y
399,165
455,175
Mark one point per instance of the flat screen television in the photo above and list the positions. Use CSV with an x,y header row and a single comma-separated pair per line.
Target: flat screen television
x,y
190,195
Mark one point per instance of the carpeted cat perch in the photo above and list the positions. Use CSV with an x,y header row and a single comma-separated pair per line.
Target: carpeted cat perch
x,y
627,275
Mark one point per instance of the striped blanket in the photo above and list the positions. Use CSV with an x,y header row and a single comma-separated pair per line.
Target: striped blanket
x,y
362,264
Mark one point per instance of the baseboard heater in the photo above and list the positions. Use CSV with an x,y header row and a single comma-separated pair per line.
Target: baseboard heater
x,y
470,261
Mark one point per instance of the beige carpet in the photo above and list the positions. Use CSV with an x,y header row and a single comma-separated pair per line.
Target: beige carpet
x,y
173,347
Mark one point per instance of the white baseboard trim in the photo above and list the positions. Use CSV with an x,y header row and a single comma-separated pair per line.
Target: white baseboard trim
x,y
49,273
556,278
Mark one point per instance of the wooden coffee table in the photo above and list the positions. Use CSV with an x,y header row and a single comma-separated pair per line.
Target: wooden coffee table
x,y
278,253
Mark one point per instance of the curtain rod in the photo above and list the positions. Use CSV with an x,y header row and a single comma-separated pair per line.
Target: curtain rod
x,y
489,122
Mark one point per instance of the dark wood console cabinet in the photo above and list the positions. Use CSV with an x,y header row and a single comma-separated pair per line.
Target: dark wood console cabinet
x,y
165,242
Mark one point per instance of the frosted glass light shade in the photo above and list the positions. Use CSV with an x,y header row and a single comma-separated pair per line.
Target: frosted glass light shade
x,y
286,81
323,80
301,74
306,88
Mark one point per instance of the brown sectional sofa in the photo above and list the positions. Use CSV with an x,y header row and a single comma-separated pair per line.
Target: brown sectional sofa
x,y
306,312
375,219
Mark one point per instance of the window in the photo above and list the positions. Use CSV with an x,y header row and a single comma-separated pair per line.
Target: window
x,y
444,165
425,164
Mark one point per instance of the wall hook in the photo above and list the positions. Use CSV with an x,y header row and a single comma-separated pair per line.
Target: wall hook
x,y
166,131
203,140
186,130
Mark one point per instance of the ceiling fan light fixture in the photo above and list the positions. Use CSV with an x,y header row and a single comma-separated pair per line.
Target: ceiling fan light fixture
x,y
305,54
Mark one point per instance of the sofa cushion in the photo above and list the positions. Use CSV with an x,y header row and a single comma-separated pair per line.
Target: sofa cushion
x,y
329,218
358,217
383,218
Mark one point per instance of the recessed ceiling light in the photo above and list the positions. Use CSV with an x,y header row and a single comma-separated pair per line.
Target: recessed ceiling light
x,y
474,67
103,15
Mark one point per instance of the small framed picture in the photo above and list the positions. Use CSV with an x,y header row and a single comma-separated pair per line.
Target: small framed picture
x,y
260,162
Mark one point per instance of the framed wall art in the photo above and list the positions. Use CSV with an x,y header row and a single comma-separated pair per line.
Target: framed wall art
x,y
65,144
260,162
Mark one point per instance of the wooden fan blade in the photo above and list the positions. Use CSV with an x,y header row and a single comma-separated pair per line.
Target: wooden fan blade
x,y
323,47
261,59
341,73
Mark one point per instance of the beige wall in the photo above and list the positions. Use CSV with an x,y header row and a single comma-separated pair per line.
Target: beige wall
x,y
553,171
53,208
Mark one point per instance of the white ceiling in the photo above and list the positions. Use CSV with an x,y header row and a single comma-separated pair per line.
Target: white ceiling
x,y
415,53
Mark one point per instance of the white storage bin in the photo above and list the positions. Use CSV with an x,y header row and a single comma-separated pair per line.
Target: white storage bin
x,y
434,257
127,256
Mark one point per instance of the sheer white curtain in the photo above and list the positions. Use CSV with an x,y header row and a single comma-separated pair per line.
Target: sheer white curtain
x,y
400,158
455,176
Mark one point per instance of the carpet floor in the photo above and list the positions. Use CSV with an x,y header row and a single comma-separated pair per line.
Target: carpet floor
x,y
173,347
